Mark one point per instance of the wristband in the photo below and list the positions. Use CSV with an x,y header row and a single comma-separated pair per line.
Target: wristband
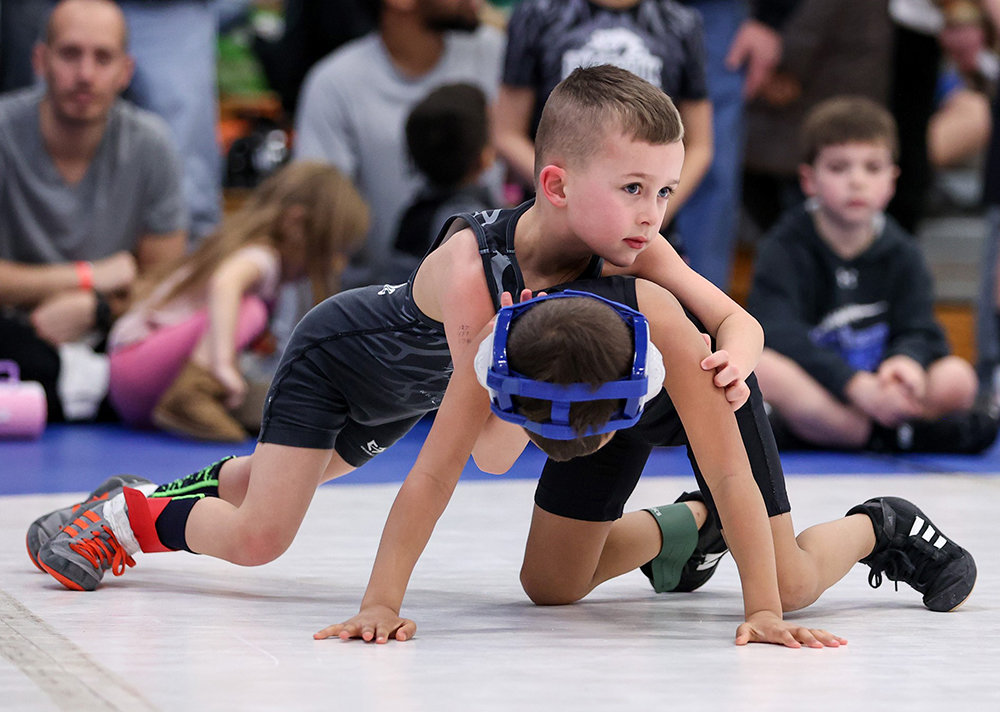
x,y
85,274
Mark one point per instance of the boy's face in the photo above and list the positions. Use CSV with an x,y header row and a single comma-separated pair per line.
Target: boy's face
x,y
852,182
615,202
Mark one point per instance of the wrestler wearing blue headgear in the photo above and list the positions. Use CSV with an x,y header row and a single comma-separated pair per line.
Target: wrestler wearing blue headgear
x,y
641,384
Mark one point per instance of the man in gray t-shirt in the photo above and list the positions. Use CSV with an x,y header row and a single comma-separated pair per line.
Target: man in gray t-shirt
x,y
90,193
355,102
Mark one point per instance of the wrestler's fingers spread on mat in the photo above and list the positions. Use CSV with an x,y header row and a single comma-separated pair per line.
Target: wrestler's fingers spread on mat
x,y
376,624
829,639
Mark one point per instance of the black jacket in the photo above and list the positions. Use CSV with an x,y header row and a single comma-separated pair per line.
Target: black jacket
x,y
835,317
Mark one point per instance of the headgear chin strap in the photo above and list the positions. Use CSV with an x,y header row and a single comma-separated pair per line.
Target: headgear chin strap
x,y
643,382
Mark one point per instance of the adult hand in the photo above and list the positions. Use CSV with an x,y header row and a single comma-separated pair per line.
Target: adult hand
x,y
780,90
373,623
65,317
757,48
766,627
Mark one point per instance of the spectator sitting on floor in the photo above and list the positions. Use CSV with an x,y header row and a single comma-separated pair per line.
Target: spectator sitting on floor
x,y
174,354
854,357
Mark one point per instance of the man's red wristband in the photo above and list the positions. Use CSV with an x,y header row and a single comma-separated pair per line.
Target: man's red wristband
x,y
85,274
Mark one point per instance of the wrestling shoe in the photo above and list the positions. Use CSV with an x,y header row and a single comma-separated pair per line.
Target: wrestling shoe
x,y
909,548
699,565
48,525
85,548
710,549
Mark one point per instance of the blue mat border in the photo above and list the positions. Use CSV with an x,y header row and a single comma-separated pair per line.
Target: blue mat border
x,y
73,458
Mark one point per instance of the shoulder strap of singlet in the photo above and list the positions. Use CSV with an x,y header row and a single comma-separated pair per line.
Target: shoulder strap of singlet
x,y
499,260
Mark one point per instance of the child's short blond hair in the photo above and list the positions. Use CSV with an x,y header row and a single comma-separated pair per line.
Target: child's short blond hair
x,y
847,119
593,101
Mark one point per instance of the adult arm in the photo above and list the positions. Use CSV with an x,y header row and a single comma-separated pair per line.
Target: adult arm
x,y
25,285
69,313
322,125
512,126
156,251
757,45
697,118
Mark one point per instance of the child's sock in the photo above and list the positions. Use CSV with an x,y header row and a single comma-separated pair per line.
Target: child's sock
x,y
680,537
149,524
203,482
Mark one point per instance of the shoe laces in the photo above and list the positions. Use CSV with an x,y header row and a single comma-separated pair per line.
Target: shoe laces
x,y
897,565
103,551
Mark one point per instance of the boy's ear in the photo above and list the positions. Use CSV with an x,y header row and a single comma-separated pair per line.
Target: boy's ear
x,y
552,184
807,179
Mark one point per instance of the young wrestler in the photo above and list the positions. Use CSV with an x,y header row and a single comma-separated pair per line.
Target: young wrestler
x,y
573,545
365,365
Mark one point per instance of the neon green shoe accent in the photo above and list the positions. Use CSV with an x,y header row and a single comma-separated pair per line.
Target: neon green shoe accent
x,y
204,482
680,537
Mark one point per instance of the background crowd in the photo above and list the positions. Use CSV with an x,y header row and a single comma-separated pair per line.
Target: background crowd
x,y
133,222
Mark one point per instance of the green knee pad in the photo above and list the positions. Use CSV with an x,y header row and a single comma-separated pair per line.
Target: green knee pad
x,y
680,537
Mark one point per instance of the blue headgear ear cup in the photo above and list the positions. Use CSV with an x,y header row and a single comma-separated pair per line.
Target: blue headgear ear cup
x,y
494,373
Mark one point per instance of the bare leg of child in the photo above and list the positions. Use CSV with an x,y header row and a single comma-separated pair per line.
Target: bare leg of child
x,y
565,559
811,412
819,557
951,387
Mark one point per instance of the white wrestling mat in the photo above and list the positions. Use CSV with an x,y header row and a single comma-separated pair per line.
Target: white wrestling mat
x,y
181,632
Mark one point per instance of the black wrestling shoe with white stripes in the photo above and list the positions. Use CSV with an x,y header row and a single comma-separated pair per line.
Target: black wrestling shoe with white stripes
x,y
701,565
911,549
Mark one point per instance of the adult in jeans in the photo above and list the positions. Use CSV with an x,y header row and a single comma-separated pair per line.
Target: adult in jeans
x,y
742,48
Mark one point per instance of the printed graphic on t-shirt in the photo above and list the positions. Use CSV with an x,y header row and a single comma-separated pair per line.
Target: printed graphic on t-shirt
x,y
617,46
858,332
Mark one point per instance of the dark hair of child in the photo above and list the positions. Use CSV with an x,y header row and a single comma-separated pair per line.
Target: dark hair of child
x,y
447,132
563,341
847,119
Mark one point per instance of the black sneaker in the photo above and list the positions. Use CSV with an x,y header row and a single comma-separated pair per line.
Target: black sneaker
x,y
702,563
967,433
909,548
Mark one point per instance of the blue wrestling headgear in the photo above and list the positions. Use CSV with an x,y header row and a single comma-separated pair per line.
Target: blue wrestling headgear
x,y
640,385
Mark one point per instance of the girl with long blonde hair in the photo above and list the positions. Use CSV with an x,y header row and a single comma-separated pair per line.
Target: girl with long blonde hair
x,y
174,353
